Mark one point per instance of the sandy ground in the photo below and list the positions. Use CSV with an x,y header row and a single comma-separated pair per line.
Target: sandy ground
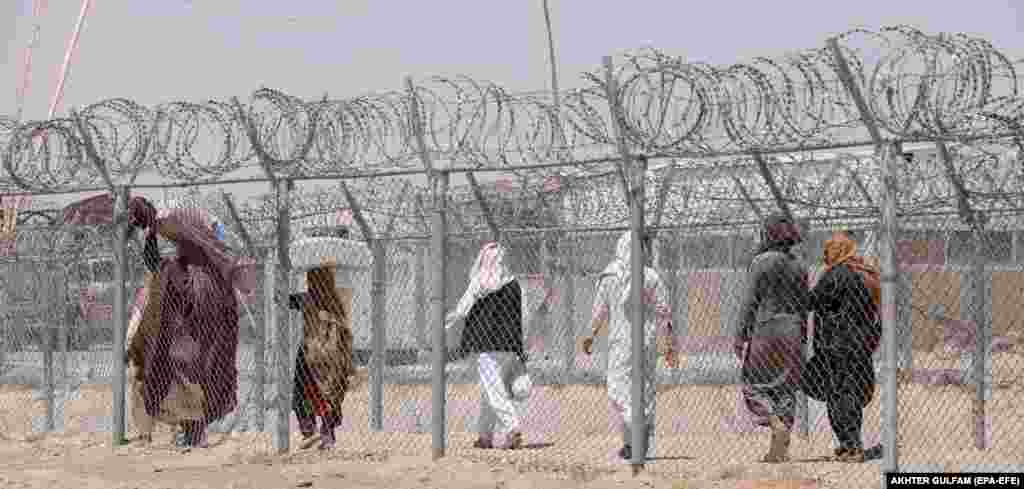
x,y
704,440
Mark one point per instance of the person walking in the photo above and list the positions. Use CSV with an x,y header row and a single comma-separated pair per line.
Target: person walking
x,y
194,347
847,331
772,332
323,365
612,310
488,321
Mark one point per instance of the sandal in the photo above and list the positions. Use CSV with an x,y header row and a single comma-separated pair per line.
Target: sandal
x,y
778,451
514,441
308,440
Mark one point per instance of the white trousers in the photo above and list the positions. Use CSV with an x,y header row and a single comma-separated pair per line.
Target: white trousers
x,y
620,385
499,411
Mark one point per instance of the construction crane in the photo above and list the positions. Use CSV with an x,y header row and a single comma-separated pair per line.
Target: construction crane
x,y
68,55
38,6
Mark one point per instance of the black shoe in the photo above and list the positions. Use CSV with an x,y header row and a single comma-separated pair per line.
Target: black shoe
x,y
626,453
849,454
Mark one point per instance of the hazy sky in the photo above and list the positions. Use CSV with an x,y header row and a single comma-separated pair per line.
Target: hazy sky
x,y
155,51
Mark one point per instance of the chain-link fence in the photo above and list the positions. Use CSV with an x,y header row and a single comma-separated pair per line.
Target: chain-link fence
x,y
605,276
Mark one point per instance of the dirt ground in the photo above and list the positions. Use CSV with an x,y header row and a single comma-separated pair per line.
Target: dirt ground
x,y
703,440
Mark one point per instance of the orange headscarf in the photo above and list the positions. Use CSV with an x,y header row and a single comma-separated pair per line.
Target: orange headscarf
x,y
841,250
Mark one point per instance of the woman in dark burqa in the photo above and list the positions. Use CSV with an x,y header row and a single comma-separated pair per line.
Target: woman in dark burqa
x,y
323,366
198,336
772,331
847,330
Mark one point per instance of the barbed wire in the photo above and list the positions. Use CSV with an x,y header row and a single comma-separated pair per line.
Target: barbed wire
x,y
704,119
921,87
838,187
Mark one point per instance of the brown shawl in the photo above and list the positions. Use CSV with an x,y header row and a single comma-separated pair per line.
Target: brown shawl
x,y
327,337
841,250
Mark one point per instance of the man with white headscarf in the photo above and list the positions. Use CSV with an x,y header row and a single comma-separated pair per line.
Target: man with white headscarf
x,y
612,308
490,318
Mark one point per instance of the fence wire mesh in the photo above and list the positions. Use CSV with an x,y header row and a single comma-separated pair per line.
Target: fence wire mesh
x,y
307,315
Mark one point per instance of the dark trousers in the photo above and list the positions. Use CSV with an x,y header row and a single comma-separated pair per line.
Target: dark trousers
x,y
845,382
303,376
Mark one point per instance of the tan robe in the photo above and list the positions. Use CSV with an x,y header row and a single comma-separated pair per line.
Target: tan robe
x,y
185,401
327,345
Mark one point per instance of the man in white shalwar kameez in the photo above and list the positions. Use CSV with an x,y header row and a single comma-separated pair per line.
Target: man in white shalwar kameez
x,y
489,316
612,308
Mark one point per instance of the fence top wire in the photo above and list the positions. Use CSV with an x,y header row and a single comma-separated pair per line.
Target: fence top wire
x,y
698,124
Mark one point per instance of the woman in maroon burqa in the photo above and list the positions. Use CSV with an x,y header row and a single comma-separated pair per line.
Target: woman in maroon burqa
x,y
198,338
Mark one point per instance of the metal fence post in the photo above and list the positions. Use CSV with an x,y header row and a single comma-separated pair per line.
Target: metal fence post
x,y
633,176
120,315
439,275
64,333
438,299
980,361
49,333
260,350
567,300
889,154
283,327
636,297
544,310
887,253
420,283
904,325
378,298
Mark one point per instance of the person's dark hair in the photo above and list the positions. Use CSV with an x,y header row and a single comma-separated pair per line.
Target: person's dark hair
x,y
780,233
141,212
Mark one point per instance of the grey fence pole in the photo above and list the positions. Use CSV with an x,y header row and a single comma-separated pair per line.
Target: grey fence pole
x,y
980,361
567,300
120,315
544,310
889,154
283,327
420,284
49,334
438,299
636,297
439,275
887,252
904,314
64,333
632,175
260,353
378,299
